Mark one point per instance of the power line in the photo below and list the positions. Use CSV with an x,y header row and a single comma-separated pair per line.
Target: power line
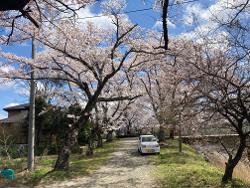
x,y
126,12
134,11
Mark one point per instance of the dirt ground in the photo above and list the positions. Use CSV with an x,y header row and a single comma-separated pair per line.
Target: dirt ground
x,y
125,169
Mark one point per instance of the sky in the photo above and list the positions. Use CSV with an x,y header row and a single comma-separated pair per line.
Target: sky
x,y
182,22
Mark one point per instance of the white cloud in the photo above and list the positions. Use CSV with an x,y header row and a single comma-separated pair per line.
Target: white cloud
x,y
5,83
24,91
87,15
194,12
222,11
11,104
6,69
158,25
17,86
206,21
3,116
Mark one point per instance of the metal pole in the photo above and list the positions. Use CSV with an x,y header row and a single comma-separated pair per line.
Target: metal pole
x,y
31,137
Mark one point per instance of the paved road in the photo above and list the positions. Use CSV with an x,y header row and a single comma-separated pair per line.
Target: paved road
x,y
125,169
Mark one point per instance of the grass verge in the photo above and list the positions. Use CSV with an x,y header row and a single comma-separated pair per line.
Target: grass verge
x,y
187,169
79,166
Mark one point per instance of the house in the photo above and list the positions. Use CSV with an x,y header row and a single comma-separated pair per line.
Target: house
x,y
15,125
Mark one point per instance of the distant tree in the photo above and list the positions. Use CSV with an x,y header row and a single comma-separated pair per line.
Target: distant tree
x,y
167,82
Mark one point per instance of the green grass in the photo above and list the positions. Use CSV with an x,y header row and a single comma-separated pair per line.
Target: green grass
x,y
79,166
186,169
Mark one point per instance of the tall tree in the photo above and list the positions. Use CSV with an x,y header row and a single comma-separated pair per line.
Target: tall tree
x,y
225,69
88,59
167,83
223,82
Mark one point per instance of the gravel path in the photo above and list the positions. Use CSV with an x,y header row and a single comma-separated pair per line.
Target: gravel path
x,y
125,169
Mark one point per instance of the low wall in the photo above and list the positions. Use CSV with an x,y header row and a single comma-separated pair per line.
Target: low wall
x,y
225,138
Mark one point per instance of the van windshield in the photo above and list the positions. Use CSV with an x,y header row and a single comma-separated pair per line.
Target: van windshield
x,y
148,139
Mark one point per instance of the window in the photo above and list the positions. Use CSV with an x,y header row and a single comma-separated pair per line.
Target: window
x,y
148,139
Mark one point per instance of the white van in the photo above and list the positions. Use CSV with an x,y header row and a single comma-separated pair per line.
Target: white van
x,y
148,144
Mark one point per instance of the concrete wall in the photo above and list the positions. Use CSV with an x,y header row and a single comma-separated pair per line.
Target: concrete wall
x,y
18,115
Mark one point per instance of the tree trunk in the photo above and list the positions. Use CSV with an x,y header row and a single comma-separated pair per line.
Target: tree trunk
x,y
171,132
128,129
161,134
232,162
63,157
13,5
228,174
164,22
248,153
99,140
90,150
180,139
110,136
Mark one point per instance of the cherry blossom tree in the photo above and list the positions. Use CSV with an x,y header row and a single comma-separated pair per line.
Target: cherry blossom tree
x,y
138,119
168,84
222,79
221,59
15,13
107,114
88,59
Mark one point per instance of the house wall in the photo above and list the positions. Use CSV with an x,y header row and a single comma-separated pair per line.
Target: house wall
x,y
16,129
15,132
18,114
12,131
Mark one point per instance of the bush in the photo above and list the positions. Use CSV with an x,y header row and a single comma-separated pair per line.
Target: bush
x,y
53,149
76,149
14,151
46,150
161,134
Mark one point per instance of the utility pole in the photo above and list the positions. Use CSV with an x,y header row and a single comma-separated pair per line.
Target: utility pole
x,y
31,137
